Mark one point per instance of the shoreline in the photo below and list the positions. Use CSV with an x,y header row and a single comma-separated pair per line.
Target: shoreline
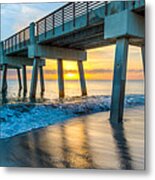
x,y
90,139
23,117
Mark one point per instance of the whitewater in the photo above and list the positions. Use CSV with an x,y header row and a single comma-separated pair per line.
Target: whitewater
x,y
22,117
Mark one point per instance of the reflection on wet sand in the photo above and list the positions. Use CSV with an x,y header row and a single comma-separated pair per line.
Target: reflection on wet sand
x,y
84,142
122,146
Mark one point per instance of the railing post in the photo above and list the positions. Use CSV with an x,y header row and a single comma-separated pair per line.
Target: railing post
x,y
74,14
63,28
87,13
8,45
19,41
1,48
16,41
4,46
12,43
123,5
37,24
45,28
133,4
32,33
106,8
24,38
53,24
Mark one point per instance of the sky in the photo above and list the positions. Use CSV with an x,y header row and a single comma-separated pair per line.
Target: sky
x,y
100,61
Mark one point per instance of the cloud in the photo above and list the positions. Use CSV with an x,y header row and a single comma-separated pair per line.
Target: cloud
x,y
106,52
21,15
92,71
135,70
17,16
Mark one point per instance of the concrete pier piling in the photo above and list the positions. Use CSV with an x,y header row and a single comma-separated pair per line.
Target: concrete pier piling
x,y
119,80
143,57
42,83
4,79
82,78
34,79
19,82
60,78
24,77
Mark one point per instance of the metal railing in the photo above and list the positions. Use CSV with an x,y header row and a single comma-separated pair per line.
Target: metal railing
x,y
68,12
18,40
58,18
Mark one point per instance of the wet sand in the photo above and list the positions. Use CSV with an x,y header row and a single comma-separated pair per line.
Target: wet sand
x,y
83,142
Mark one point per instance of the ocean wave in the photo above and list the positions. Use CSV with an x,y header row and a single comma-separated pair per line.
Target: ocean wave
x,y
23,117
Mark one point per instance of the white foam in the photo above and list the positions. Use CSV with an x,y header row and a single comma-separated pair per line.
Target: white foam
x,y
20,118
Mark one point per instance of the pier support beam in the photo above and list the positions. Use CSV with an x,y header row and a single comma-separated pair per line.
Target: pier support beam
x,y
19,82
82,78
34,79
24,80
143,57
61,79
4,80
119,80
42,84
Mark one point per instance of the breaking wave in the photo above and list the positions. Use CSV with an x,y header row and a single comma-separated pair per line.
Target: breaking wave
x,y
23,117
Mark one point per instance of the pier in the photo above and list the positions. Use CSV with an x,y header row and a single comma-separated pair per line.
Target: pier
x,y
67,34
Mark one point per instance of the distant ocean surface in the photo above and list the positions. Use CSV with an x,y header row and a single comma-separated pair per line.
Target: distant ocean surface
x,y
18,117
72,88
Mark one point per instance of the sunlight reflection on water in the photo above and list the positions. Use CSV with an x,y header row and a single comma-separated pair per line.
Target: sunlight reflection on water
x,y
72,88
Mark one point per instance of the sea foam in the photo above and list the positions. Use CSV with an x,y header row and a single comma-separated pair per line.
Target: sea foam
x,y
23,117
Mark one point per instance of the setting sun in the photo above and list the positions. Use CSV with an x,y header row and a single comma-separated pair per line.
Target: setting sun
x,y
71,76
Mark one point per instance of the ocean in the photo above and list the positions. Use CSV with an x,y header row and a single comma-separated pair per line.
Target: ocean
x,y
72,88
18,116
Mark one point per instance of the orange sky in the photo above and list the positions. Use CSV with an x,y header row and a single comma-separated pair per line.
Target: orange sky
x,y
99,66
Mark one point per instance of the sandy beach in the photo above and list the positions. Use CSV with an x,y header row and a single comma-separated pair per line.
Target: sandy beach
x,y
83,142
72,85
